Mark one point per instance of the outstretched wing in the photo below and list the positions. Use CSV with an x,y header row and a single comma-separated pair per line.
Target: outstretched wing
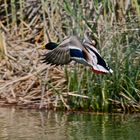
x,y
62,54
58,56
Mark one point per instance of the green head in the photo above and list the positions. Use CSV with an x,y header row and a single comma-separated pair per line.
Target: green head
x,y
50,46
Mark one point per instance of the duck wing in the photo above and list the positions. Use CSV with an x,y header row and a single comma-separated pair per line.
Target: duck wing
x,y
62,53
70,49
59,55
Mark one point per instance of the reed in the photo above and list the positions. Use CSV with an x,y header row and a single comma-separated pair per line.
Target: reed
x,y
115,25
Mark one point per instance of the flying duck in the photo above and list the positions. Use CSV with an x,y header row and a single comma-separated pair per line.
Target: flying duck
x,y
73,49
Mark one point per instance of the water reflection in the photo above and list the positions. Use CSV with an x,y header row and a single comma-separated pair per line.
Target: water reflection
x,y
48,125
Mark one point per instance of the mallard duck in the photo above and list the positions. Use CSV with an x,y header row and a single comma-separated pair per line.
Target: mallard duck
x,y
72,49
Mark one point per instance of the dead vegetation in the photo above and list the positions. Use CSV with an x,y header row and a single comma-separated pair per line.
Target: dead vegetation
x,y
23,77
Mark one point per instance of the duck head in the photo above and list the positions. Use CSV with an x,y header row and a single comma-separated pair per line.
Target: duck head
x,y
89,38
50,45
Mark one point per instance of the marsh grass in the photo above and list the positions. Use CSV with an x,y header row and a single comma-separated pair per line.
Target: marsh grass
x,y
114,25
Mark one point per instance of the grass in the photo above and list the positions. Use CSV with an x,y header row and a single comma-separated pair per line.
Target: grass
x,y
116,28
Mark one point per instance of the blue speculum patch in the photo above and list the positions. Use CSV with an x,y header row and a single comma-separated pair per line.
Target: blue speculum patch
x,y
76,53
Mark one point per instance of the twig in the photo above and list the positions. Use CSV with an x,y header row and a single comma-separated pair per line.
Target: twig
x,y
76,95
29,87
61,97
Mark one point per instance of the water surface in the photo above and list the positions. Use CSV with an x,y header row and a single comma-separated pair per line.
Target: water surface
x,y
18,124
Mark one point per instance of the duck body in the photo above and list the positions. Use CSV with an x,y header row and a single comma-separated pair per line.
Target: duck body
x,y
72,49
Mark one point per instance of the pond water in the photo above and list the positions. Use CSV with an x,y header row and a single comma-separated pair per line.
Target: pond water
x,y
17,124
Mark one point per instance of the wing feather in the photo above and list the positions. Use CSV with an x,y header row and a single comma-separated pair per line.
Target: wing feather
x,y
59,55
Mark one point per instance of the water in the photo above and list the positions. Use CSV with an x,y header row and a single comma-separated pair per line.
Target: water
x,y
48,125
